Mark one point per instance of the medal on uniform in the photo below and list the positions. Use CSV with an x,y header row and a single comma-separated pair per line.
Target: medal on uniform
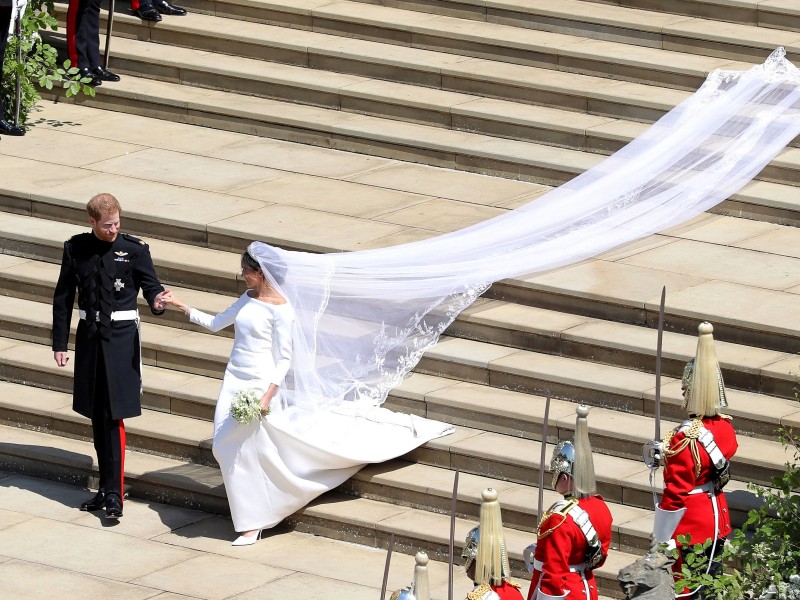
x,y
118,285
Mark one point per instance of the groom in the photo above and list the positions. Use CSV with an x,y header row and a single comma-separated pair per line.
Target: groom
x,y
108,268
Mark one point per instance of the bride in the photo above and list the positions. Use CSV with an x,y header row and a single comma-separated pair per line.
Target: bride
x,y
297,451
259,360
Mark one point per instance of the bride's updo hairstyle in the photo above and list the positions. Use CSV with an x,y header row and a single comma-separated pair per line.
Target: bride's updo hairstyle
x,y
250,263
274,264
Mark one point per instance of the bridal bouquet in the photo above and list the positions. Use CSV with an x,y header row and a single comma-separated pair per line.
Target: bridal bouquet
x,y
246,406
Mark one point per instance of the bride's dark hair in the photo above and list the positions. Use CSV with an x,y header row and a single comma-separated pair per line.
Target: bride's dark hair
x,y
249,262
276,266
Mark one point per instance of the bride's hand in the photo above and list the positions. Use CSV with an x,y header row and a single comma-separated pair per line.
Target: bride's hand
x,y
265,400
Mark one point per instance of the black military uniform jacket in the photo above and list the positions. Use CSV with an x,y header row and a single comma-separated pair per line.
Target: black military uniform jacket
x,y
108,277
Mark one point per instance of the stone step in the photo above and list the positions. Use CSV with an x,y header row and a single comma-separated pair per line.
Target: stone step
x,y
506,43
778,14
669,30
559,366
366,134
493,322
154,432
193,395
334,515
595,94
720,261
376,97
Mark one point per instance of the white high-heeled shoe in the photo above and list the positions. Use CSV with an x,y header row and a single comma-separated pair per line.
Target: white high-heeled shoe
x,y
247,540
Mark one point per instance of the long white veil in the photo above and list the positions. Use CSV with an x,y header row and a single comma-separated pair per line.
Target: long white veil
x,y
365,318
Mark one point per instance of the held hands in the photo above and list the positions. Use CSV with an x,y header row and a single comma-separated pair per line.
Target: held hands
x,y
159,302
170,299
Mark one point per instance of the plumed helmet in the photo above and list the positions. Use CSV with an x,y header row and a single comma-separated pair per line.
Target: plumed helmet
x,y
584,483
702,383
563,460
486,544
470,550
419,588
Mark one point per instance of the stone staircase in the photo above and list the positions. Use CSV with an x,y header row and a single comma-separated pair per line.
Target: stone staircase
x,y
533,91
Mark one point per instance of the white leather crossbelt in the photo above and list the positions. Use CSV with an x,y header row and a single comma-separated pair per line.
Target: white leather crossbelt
x,y
117,315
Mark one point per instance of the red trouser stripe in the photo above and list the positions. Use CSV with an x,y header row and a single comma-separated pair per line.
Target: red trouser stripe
x,y
121,459
72,18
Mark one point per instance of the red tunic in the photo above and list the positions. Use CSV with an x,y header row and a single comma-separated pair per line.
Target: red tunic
x,y
561,543
507,591
680,478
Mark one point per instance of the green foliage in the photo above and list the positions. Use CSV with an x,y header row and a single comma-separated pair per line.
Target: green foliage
x,y
39,65
762,560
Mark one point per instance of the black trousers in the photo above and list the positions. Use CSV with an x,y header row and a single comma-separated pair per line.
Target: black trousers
x,y
5,22
109,435
83,33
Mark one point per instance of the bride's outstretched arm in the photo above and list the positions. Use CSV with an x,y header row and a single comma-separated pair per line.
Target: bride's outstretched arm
x,y
169,298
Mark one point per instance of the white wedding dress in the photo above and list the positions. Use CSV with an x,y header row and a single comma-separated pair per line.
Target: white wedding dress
x,y
276,466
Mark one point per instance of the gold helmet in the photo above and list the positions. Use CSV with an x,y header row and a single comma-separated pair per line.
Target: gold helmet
x,y
702,384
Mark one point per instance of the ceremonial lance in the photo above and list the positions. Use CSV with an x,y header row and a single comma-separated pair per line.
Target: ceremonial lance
x,y
452,537
543,458
386,568
653,452
18,91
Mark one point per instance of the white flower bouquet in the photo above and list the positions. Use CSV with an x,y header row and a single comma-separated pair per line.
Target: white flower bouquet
x,y
246,406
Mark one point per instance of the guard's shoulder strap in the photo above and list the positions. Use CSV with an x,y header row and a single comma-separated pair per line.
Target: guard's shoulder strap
x,y
584,522
706,438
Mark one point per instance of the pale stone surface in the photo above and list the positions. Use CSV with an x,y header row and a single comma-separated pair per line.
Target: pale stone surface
x,y
60,150
32,581
332,196
448,184
11,517
188,170
440,215
477,354
518,317
739,304
718,229
722,262
25,541
304,228
601,280
134,129
143,519
305,585
211,577
299,158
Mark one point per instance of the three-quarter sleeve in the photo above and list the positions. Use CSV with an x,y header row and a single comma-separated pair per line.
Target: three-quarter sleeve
x,y
282,344
220,320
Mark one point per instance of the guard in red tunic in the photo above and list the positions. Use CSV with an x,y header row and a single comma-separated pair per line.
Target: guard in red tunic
x,y
697,461
575,533
485,557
